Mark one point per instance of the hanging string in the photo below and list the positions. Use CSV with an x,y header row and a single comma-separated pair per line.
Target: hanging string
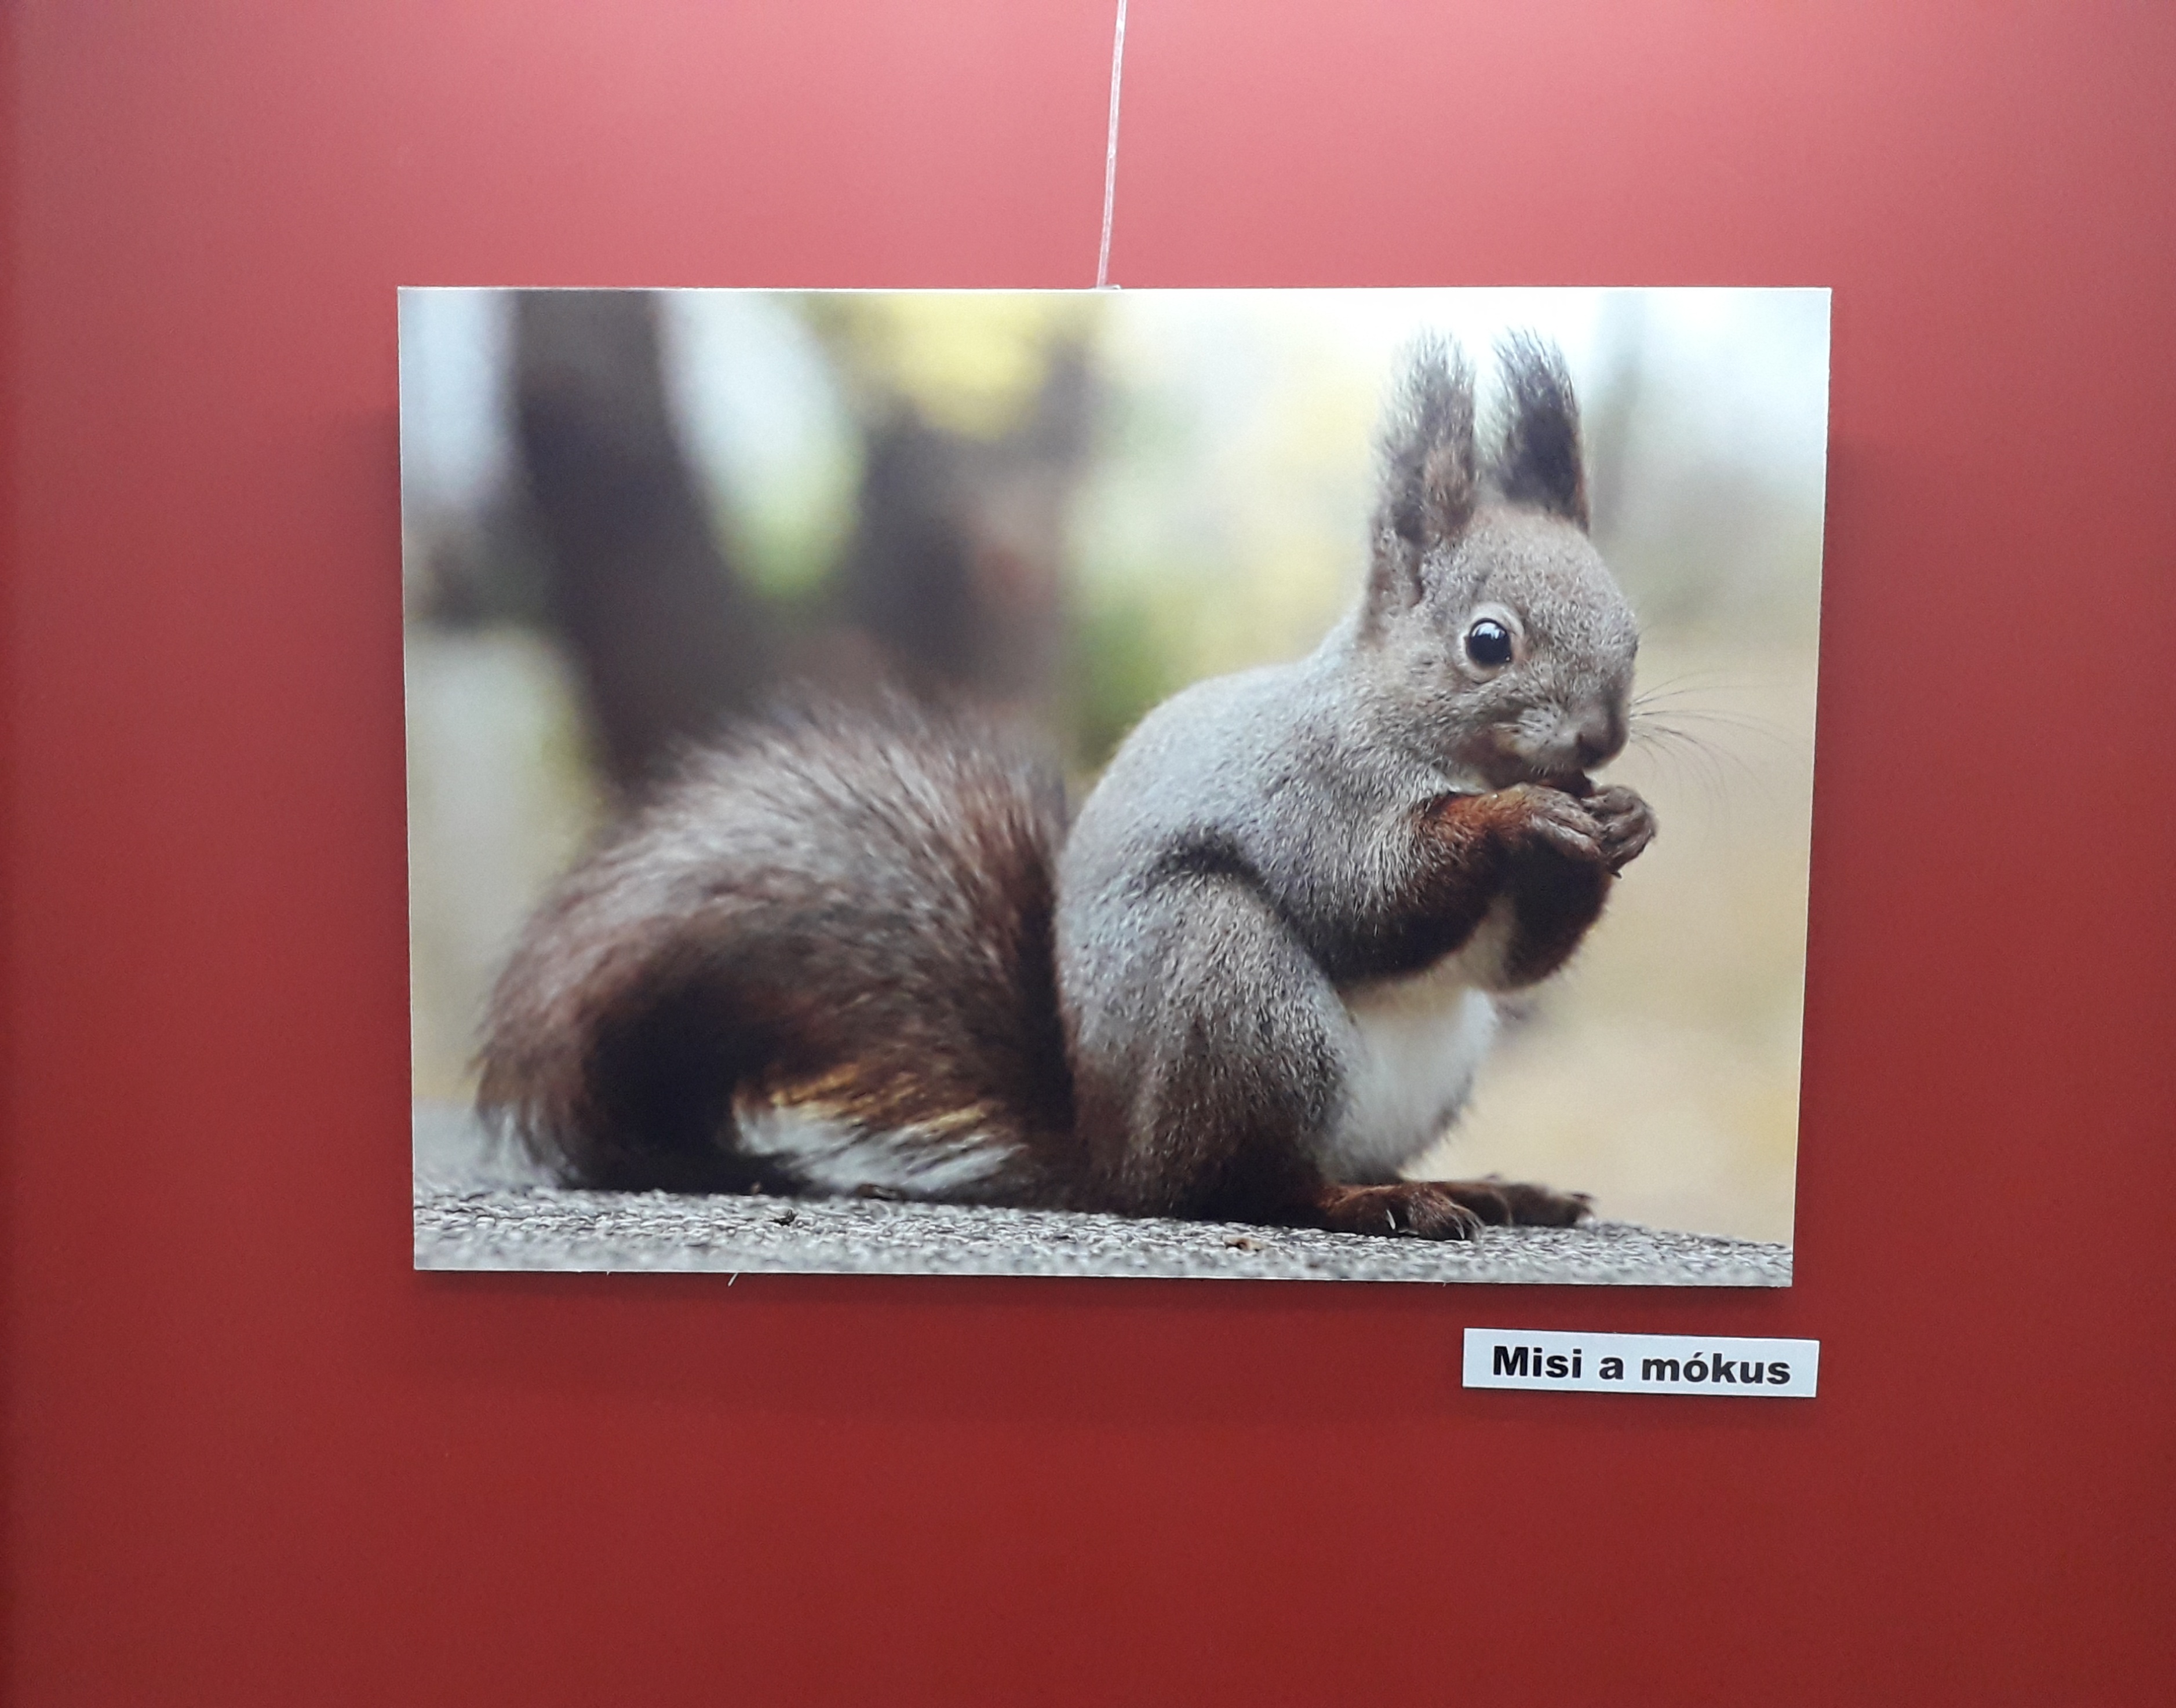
x,y
1111,152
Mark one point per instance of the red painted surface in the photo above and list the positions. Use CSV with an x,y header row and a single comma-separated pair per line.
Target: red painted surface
x,y
251,1458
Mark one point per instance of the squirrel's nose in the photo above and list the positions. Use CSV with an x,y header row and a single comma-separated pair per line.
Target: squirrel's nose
x,y
1599,737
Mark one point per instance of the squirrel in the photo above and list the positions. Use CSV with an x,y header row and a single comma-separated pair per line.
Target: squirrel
x,y
859,950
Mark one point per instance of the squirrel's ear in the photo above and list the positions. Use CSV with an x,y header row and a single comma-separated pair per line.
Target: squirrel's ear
x,y
1538,461
1431,475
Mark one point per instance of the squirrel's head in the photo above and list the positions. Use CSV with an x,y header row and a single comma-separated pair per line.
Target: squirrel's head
x,y
1488,610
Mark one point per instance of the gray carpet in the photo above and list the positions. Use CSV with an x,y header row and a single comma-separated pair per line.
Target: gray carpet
x,y
477,1209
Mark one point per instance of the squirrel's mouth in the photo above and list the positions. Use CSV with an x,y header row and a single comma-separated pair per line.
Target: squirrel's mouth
x,y
1496,755
1504,770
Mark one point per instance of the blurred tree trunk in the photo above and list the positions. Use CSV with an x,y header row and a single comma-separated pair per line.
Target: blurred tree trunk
x,y
1621,362
952,583
668,639
956,571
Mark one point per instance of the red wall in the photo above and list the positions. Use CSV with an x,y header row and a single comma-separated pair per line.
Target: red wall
x,y
251,1457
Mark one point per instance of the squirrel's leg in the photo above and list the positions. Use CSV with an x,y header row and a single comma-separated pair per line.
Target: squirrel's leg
x,y
1208,1068
1204,1053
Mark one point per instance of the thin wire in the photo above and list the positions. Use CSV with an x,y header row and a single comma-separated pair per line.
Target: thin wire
x,y
1111,152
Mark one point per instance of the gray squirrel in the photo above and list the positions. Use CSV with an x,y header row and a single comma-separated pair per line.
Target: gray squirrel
x,y
858,949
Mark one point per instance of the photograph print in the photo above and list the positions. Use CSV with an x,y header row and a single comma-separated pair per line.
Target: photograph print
x,y
1264,784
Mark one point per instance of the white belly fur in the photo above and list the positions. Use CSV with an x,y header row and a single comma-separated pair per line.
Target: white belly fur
x,y
1415,1045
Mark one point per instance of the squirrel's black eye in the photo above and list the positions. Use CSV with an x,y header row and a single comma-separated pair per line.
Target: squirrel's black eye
x,y
1488,643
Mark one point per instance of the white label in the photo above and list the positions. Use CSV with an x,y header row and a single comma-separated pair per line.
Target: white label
x,y
1641,1364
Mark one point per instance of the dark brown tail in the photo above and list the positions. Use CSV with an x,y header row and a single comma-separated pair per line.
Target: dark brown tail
x,y
822,960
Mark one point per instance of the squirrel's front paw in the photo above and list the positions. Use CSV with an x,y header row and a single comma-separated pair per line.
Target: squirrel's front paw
x,y
1608,827
1562,824
1410,1210
1623,824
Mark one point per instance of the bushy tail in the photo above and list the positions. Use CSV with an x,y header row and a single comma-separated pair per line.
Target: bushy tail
x,y
821,960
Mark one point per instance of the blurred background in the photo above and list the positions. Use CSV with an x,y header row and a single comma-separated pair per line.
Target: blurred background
x,y
629,517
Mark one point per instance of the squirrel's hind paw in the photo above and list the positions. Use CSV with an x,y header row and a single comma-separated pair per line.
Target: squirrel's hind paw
x,y
1411,1210
1503,1203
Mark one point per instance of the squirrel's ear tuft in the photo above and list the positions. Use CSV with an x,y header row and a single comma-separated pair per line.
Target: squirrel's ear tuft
x,y
1431,475
1538,461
